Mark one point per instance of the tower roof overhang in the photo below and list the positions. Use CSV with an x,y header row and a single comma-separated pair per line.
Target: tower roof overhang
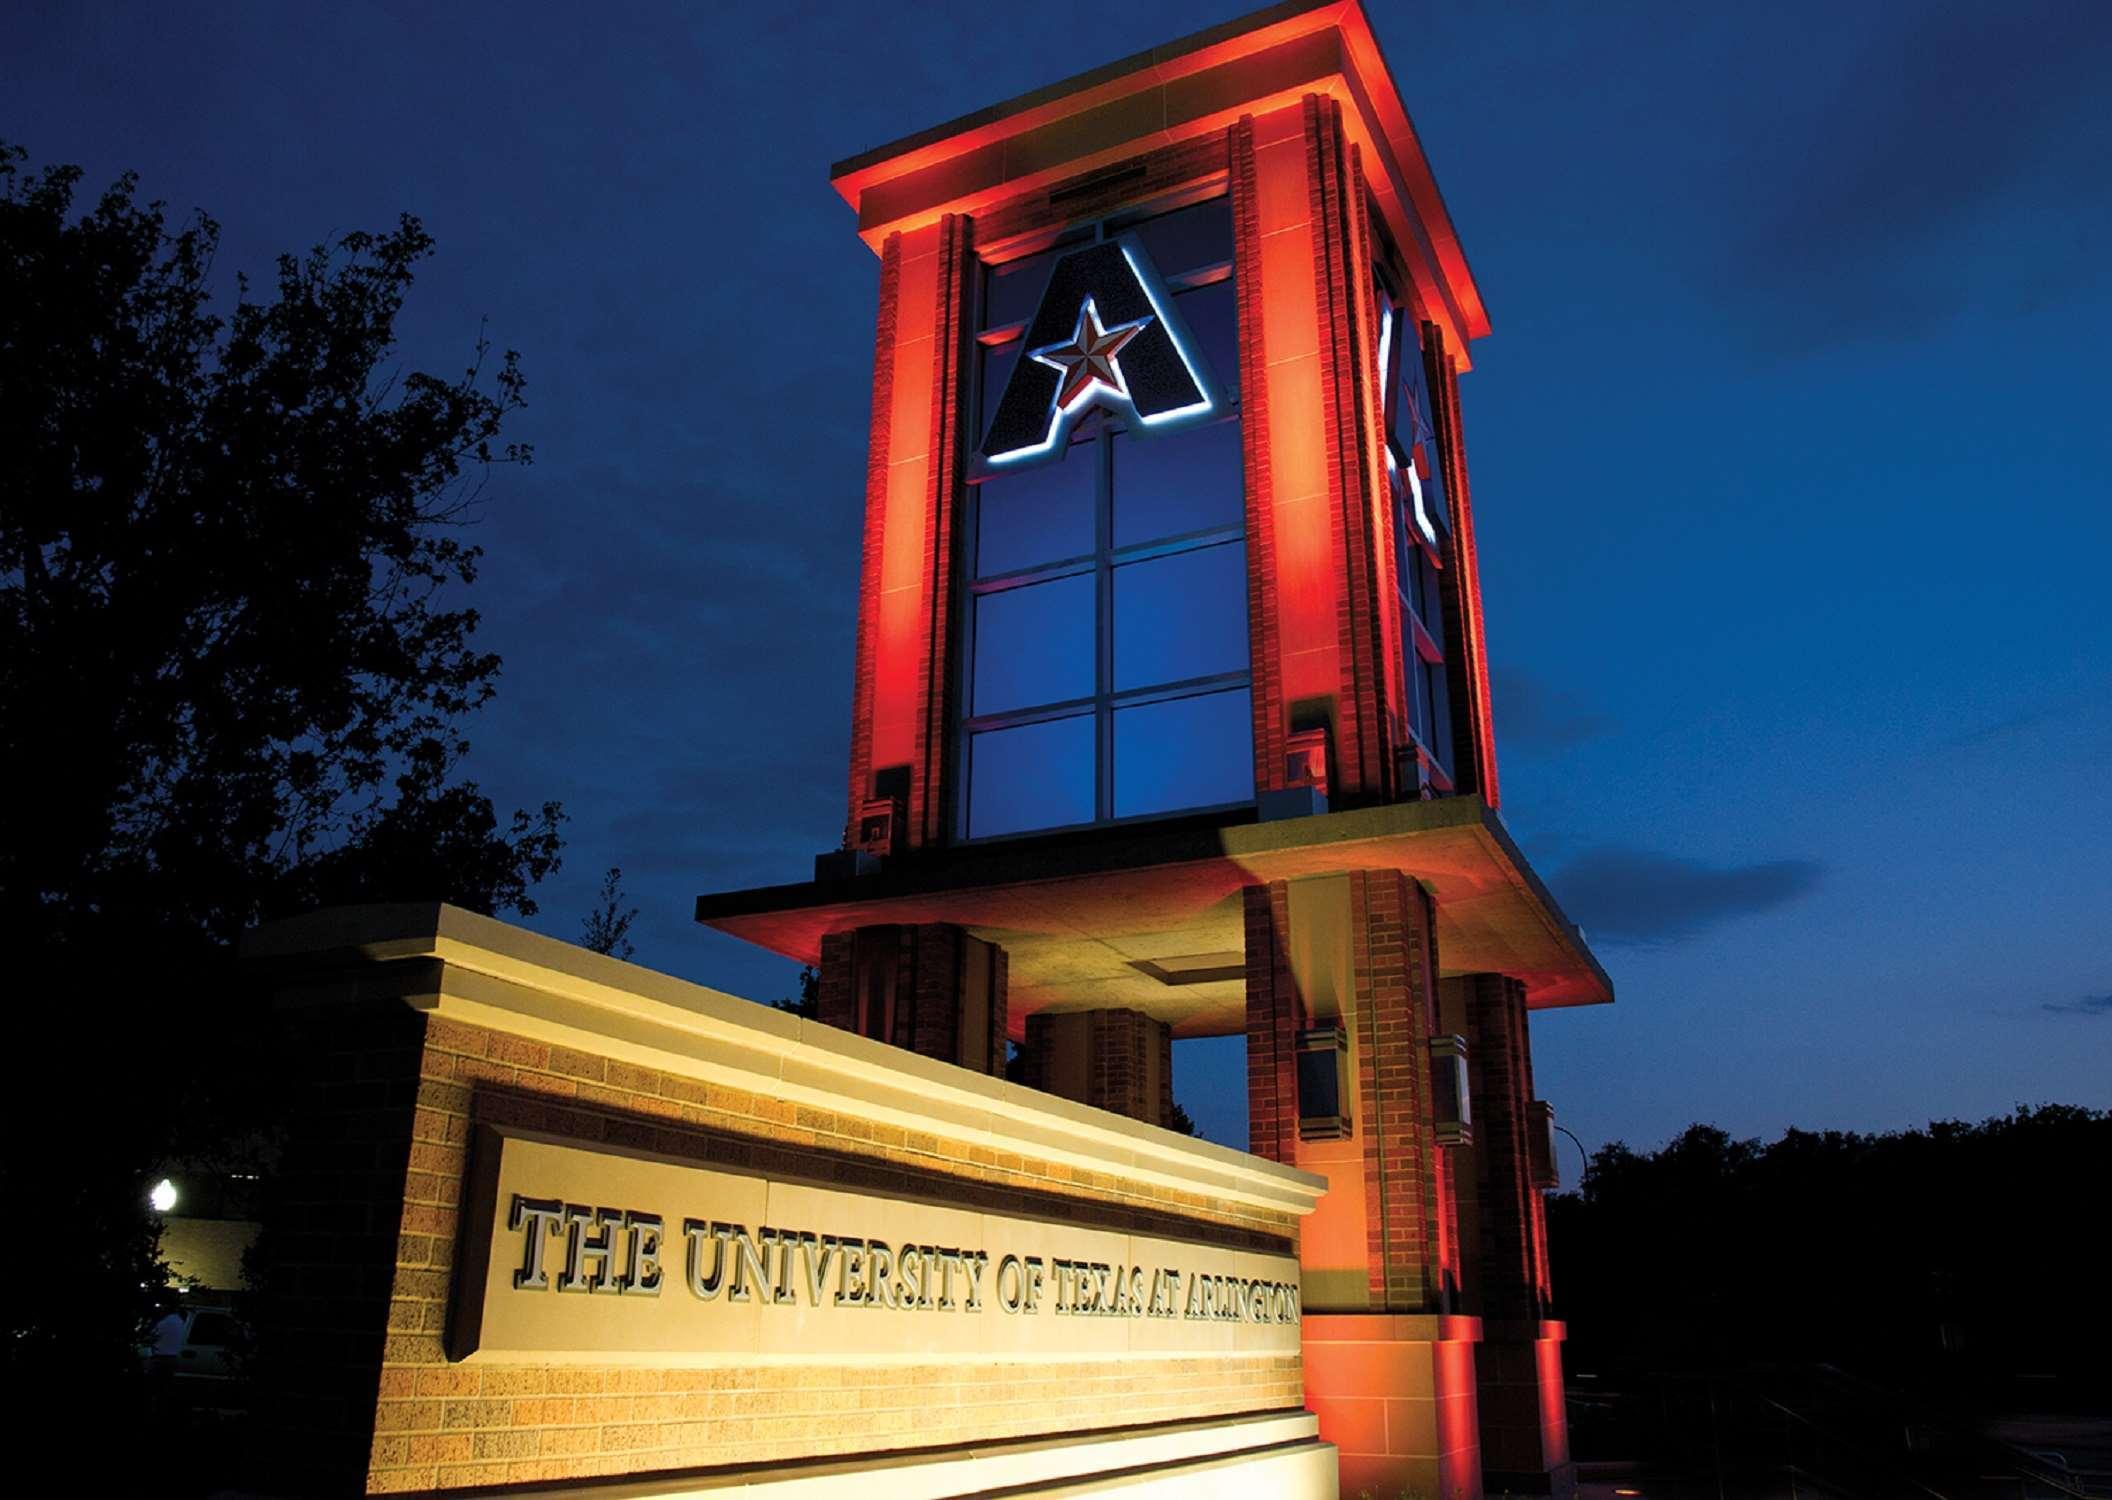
x,y
1154,921
1197,85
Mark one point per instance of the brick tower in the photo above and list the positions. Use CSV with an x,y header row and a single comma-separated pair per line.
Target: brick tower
x,y
1171,709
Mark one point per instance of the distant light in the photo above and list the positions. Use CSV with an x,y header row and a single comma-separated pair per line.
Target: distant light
x,y
1627,1492
162,1196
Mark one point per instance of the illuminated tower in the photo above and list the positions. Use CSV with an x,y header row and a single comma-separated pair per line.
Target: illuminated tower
x,y
1172,713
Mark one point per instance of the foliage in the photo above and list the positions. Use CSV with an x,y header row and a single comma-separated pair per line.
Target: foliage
x,y
1182,1122
234,664
607,928
230,574
1900,1253
809,1002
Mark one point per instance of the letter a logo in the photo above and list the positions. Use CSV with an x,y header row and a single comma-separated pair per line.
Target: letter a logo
x,y
1105,334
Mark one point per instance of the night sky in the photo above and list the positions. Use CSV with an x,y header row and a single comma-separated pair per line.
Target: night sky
x,y
1790,457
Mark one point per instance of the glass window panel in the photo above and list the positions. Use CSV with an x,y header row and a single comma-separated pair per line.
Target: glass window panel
x,y
1405,550
997,363
1410,562
1185,752
1172,483
1440,736
1419,680
1181,616
1035,514
1408,378
1212,315
1030,776
1188,238
1013,290
1034,645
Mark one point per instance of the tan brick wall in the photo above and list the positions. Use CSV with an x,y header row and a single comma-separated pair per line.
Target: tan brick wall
x,y
442,1425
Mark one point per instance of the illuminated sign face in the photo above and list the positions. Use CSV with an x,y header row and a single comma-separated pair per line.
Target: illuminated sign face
x,y
1105,334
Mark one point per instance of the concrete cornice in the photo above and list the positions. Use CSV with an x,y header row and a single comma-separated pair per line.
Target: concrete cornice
x,y
492,974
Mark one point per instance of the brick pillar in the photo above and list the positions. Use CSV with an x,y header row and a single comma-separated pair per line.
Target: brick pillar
x,y
1524,1428
340,1217
1117,1060
1389,1358
936,990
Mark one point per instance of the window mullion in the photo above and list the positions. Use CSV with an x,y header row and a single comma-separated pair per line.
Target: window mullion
x,y
1104,631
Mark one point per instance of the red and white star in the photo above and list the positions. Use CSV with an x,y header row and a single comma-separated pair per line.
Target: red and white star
x,y
1088,360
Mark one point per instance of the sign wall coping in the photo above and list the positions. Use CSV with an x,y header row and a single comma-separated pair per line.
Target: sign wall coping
x,y
496,975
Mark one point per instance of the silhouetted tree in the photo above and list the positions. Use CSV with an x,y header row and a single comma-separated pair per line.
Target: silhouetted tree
x,y
1950,1249
809,1002
234,664
607,928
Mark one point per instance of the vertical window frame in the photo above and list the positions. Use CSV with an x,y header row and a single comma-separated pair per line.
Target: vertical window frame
x,y
1105,427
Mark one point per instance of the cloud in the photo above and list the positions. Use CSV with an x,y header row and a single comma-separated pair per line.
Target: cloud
x,y
2088,1005
2000,729
1638,896
1533,715
1893,205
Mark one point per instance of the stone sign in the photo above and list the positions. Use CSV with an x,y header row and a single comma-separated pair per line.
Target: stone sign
x,y
577,1253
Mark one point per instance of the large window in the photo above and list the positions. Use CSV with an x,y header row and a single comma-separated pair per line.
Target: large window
x,y
1421,531
1105,601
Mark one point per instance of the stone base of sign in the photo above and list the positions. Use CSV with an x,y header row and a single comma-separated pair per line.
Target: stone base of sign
x,y
649,1115
1396,1394
1274,1454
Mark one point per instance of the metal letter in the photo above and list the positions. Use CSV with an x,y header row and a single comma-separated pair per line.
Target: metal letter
x,y
537,1216
817,1264
749,1260
851,1292
641,1272
706,1287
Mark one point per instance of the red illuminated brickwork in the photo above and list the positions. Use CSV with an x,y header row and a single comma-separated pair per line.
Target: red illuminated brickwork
x,y
1342,283
930,989
1262,627
875,516
1513,1250
1406,1226
1325,633
1274,1014
1116,1060
929,778
1406,1175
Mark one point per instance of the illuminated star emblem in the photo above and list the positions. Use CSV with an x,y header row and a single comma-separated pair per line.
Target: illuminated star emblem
x,y
1088,360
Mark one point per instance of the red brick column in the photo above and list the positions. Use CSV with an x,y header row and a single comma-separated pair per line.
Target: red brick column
x,y
931,777
1524,1428
1264,635
1343,294
934,989
1116,1060
1274,1014
1390,1360
875,519
1410,1226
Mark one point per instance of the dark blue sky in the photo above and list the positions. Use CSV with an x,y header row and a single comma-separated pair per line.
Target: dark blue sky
x,y
1790,453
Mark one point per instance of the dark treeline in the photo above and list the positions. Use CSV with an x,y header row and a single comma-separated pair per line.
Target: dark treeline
x,y
1922,1256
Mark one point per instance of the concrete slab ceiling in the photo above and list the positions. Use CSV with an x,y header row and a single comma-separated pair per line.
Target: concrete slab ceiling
x,y
1153,922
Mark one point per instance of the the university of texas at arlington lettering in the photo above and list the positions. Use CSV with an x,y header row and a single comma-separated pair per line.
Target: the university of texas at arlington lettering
x,y
594,1253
